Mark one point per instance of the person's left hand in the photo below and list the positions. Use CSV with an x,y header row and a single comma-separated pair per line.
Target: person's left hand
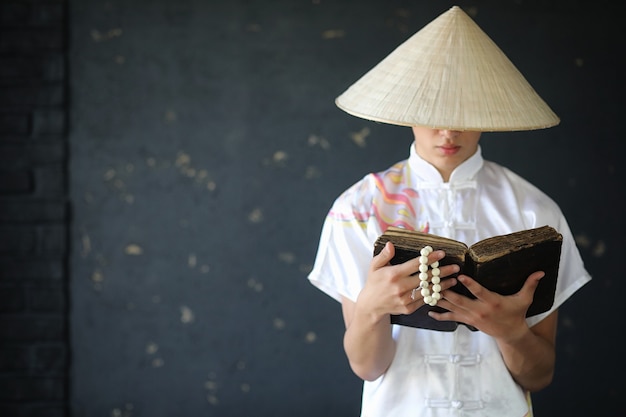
x,y
497,315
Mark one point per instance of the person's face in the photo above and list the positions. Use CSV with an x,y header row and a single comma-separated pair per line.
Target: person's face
x,y
445,149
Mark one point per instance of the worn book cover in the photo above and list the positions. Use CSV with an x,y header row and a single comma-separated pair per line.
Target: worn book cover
x,y
500,263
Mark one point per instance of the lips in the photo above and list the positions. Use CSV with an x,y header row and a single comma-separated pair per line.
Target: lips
x,y
449,149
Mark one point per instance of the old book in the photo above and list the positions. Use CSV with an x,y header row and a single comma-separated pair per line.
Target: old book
x,y
500,263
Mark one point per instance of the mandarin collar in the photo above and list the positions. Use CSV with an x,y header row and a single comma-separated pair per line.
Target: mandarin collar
x,y
428,173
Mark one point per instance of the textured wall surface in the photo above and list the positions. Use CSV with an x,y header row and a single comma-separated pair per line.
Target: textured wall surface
x,y
33,209
205,151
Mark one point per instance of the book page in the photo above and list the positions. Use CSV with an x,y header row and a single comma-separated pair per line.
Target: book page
x,y
414,241
497,246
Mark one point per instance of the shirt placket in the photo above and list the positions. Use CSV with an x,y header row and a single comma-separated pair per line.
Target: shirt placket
x,y
444,216
461,369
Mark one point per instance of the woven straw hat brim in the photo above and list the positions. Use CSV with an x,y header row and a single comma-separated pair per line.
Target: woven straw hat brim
x,y
449,75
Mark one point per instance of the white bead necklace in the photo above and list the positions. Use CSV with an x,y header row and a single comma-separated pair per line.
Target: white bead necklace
x,y
429,298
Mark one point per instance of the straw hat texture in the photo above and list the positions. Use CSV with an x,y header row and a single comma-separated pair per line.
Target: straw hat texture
x,y
449,75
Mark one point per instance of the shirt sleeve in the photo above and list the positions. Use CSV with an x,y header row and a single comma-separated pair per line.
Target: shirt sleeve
x,y
572,273
538,209
346,244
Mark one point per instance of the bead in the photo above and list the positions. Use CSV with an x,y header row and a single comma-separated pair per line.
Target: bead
x,y
430,299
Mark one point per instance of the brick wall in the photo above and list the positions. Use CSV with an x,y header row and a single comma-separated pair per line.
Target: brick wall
x,y
34,349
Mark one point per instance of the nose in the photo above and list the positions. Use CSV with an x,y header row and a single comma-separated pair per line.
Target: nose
x,y
449,134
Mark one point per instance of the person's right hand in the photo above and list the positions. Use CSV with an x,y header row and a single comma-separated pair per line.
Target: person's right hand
x,y
388,287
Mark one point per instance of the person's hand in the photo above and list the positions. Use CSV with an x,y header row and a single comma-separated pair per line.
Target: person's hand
x,y
388,287
500,316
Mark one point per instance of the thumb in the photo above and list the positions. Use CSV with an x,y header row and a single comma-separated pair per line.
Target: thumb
x,y
385,255
532,282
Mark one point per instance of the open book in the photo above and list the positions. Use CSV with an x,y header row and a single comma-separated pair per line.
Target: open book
x,y
500,263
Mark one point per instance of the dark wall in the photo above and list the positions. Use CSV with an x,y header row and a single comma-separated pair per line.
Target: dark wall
x,y
204,151
33,209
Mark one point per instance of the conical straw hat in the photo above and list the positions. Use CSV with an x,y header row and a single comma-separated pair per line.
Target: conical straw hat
x,y
449,75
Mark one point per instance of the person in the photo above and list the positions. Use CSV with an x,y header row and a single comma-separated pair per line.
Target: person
x,y
450,83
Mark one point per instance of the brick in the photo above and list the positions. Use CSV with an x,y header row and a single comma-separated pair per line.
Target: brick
x,y
52,239
28,240
30,328
46,299
50,409
14,40
17,95
18,239
50,14
12,299
19,14
18,182
14,13
21,211
50,67
50,181
14,123
14,358
33,94
15,156
25,388
12,269
46,122
49,360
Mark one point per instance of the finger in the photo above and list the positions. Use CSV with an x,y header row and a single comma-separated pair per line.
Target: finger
x,y
436,256
447,283
445,270
442,283
448,270
532,282
450,300
461,301
415,295
472,285
412,266
442,316
383,258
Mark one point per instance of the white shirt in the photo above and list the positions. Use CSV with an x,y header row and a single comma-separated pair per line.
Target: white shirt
x,y
436,374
